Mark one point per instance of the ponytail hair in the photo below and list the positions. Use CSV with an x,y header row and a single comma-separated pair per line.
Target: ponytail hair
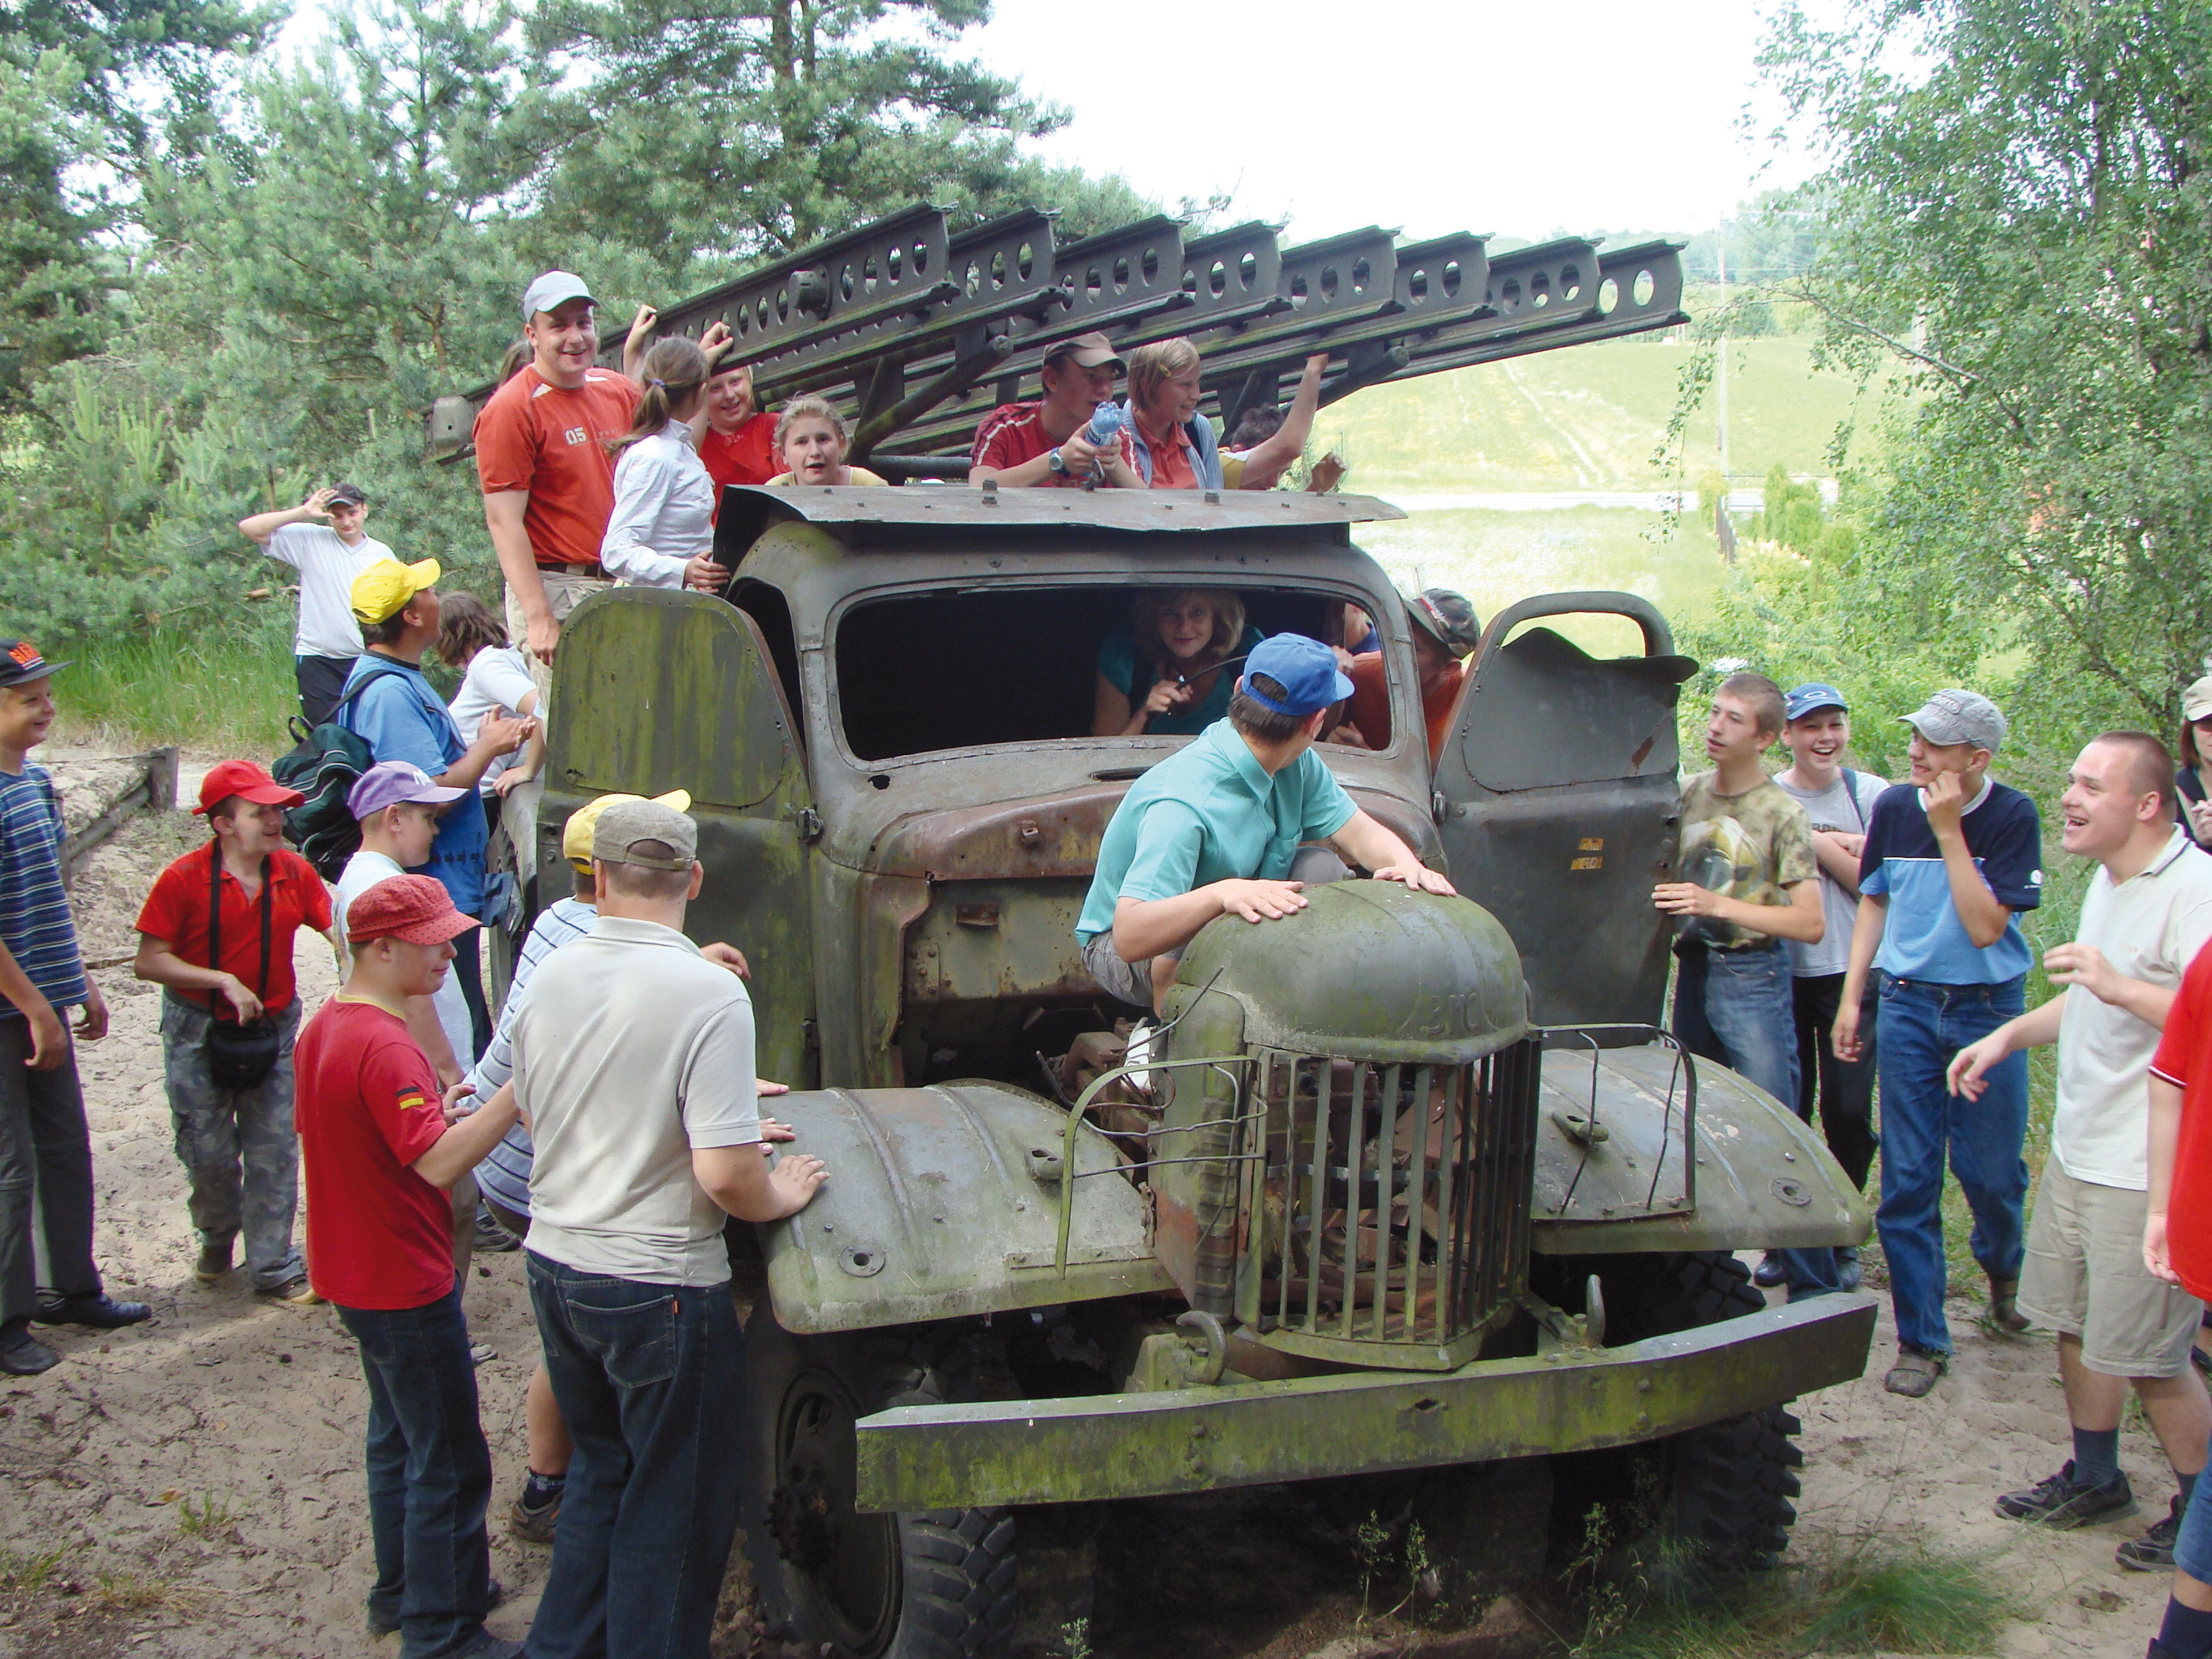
x,y
674,368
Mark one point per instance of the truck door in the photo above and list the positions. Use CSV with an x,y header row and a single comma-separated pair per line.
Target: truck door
x,y
1557,801
657,689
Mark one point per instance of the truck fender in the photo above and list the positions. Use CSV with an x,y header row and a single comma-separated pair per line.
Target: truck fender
x,y
944,1202
1611,1177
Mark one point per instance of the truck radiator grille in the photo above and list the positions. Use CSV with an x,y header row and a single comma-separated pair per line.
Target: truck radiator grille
x,y
1394,1202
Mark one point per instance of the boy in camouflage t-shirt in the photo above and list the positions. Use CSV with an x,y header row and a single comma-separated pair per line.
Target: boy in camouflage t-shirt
x,y
1750,881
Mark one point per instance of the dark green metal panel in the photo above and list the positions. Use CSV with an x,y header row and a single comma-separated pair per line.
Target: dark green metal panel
x,y
1142,1445
1561,799
660,690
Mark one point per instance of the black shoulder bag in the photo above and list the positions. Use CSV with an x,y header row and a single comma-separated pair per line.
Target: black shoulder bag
x,y
241,1053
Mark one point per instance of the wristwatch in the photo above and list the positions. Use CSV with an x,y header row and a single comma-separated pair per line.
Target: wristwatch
x,y
1054,461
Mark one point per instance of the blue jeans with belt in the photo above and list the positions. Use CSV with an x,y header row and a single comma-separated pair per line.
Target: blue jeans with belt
x,y
429,1477
1922,1026
1738,1007
650,1378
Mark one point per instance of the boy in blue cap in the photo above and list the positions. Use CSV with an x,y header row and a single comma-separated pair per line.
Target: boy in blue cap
x,y
1216,830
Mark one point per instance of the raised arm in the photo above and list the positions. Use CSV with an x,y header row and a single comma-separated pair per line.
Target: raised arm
x,y
262,525
1266,462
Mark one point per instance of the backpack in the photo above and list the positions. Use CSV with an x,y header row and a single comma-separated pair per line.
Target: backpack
x,y
324,765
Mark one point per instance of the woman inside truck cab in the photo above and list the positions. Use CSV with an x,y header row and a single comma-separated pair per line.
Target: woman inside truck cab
x,y
1172,671
812,440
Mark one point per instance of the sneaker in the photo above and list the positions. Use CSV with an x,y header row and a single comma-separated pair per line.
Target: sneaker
x,y
1849,1274
212,1265
294,1292
95,1311
379,1628
22,1354
481,1353
2153,1551
533,1523
1770,1272
492,1235
1916,1371
2058,1502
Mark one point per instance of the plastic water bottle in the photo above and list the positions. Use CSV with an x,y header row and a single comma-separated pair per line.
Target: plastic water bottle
x,y
1106,423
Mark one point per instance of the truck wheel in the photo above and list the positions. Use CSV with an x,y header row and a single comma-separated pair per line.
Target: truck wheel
x,y
1718,1495
936,1584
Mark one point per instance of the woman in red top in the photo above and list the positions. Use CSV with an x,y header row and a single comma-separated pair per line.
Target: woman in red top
x,y
2178,1247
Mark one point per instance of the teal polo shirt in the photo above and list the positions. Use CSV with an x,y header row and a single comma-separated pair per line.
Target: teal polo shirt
x,y
1209,813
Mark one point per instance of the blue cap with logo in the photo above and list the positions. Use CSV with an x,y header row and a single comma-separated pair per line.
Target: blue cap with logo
x,y
1302,671
1801,701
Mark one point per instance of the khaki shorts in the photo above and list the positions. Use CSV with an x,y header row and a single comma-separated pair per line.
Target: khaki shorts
x,y
2085,1277
1128,982
563,594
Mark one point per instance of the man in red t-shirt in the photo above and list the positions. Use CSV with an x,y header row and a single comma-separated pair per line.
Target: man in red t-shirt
x,y
380,1159
545,461
737,442
1024,445
1445,630
233,1129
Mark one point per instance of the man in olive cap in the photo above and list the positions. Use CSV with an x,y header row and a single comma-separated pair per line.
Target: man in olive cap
x,y
1951,859
1445,631
1049,443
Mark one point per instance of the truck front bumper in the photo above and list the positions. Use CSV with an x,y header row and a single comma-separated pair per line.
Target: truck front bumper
x,y
1244,1434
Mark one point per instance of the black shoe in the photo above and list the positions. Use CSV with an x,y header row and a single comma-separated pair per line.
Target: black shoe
x,y
2153,1551
2057,1501
22,1354
1770,1271
492,1235
96,1310
379,1628
1849,1275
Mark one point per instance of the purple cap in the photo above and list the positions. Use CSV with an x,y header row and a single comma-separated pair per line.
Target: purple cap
x,y
389,782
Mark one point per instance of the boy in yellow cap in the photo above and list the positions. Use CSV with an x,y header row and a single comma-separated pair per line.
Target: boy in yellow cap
x,y
389,704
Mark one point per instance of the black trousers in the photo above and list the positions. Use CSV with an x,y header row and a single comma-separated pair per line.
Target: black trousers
x,y
46,1154
322,682
1845,1087
468,968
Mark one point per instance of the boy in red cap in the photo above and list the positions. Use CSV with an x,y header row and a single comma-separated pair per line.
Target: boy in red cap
x,y
380,1159
216,932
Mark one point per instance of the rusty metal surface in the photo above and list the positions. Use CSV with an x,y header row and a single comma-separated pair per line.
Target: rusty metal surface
x,y
1177,511
1561,802
1764,1179
1201,1439
944,1202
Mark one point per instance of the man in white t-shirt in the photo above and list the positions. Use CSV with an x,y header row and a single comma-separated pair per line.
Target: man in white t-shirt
x,y
1840,801
323,539
628,1274
2146,914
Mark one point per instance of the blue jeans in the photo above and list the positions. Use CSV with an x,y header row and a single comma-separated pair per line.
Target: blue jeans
x,y
429,1476
1738,1007
2192,1545
650,1378
1922,1026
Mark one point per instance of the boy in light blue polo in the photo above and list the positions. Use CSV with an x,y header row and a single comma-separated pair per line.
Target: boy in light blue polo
x,y
1216,830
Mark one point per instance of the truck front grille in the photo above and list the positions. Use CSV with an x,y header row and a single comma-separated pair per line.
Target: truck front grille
x,y
1395,1203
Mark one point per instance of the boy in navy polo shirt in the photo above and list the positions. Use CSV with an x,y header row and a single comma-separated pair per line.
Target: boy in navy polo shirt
x,y
1950,859
1215,829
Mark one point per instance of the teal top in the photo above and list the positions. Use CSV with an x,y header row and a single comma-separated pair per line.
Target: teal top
x,y
1117,661
1210,812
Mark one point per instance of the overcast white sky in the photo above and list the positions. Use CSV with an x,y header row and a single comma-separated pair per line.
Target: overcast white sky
x,y
1426,115
1431,115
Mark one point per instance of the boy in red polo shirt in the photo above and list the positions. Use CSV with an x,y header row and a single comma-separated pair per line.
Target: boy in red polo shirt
x,y
216,932
380,1159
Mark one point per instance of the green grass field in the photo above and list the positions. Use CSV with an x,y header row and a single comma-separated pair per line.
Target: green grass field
x,y
1590,417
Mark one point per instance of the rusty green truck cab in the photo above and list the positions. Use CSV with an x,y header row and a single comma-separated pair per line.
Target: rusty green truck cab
x,y
1405,1183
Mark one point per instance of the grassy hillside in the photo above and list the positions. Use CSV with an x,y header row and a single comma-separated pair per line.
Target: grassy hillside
x,y
1589,417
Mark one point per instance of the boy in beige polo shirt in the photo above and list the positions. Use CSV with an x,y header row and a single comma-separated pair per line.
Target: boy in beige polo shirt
x,y
2148,912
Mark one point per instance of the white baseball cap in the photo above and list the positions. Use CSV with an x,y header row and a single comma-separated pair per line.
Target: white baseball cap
x,y
551,291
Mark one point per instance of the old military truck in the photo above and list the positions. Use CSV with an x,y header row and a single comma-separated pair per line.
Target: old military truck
x,y
1403,1184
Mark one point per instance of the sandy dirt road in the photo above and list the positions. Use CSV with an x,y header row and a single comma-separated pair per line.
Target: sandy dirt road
x,y
194,1485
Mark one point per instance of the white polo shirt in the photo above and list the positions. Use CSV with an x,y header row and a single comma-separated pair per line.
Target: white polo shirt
x,y
630,1049
2150,927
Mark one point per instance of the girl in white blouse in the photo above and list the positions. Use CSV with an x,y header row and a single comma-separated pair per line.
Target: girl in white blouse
x,y
661,533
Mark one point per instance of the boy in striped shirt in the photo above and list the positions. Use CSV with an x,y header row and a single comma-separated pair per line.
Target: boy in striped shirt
x,y
45,1146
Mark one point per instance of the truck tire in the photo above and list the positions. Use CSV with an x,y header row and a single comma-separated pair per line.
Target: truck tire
x,y
934,1584
1719,1494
